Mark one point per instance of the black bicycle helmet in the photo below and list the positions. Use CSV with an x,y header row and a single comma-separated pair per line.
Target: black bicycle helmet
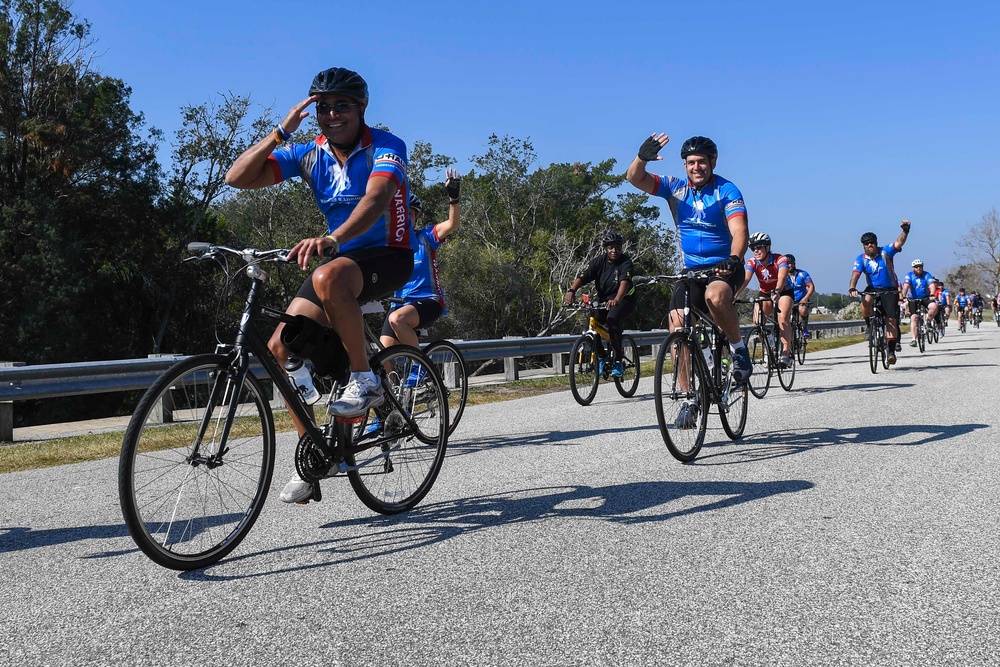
x,y
612,238
340,81
700,146
415,202
790,258
869,237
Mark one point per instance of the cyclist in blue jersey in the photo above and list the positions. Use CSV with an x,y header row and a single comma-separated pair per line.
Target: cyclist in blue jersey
x,y
876,264
944,305
711,220
423,294
358,178
917,288
802,284
961,303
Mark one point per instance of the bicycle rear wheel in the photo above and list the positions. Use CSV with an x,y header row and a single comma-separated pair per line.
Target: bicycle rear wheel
x,y
680,392
191,483
409,445
584,360
761,378
734,401
450,365
629,380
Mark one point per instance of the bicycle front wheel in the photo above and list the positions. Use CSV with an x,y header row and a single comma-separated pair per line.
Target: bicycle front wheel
x,y
873,347
734,401
584,360
629,380
409,445
192,480
800,344
761,378
786,375
921,337
680,391
450,365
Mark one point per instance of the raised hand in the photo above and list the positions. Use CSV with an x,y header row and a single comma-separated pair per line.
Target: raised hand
x,y
650,148
453,185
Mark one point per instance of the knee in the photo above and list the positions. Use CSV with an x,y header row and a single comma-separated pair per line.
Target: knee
x,y
277,348
332,278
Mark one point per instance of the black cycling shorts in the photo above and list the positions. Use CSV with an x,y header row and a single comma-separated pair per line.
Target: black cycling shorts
x,y
384,270
784,292
914,304
734,280
428,310
890,302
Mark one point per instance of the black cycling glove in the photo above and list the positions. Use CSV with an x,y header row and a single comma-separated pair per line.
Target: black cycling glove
x,y
649,150
453,187
906,227
732,264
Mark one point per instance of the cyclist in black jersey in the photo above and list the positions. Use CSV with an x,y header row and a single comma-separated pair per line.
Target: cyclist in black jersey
x,y
611,274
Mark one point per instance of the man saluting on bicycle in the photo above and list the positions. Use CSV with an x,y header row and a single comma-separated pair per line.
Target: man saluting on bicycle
x,y
876,264
611,274
358,178
711,220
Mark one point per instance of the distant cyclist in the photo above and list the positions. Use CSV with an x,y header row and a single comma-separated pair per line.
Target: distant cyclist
x,y
772,277
711,220
876,264
961,304
423,296
804,288
917,288
611,273
976,308
944,305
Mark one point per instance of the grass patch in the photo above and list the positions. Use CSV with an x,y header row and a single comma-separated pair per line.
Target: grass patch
x,y
95,446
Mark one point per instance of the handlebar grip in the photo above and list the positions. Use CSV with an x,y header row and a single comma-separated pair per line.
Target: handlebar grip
x,y
198,247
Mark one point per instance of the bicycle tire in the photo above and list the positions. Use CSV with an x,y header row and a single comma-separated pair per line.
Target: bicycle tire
x,y
583,370
399,477
786,376
187,515
921,337
737,402
884,346
682,433
800,344
873,347
451,368
760,381
629,381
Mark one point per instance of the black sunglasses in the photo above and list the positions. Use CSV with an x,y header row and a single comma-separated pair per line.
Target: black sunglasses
x,y
337,107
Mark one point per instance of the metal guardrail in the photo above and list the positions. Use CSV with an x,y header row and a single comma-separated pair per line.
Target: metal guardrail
x,y
45,381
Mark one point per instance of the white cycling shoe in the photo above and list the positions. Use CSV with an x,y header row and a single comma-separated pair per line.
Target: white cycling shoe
x,y
296,491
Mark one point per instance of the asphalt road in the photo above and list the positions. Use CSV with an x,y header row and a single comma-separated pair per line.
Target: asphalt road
x,y
855,524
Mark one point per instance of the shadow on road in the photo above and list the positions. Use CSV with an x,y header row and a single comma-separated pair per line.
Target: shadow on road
x,y
775,444
623,504
534,438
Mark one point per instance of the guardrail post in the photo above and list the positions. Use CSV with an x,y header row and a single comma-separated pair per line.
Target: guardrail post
x,y
559,362
163,411
7,410
510,366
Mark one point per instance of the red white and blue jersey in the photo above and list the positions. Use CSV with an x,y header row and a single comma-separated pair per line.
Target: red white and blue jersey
x,y
767,272
702,217
920,286
425,282
338,190
799,280
878,270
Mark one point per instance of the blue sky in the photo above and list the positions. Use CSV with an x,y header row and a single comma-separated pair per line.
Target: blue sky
x,y
832,118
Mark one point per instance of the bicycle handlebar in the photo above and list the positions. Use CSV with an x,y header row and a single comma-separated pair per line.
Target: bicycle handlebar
x,y
203,250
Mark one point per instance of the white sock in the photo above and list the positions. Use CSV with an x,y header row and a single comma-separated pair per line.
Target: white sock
x,y
738,345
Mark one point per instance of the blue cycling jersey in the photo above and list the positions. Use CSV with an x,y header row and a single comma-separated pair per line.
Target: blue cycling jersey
x,y
338,189
944,297
425,283
878,270
920,286
800,279
702,217
962,300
